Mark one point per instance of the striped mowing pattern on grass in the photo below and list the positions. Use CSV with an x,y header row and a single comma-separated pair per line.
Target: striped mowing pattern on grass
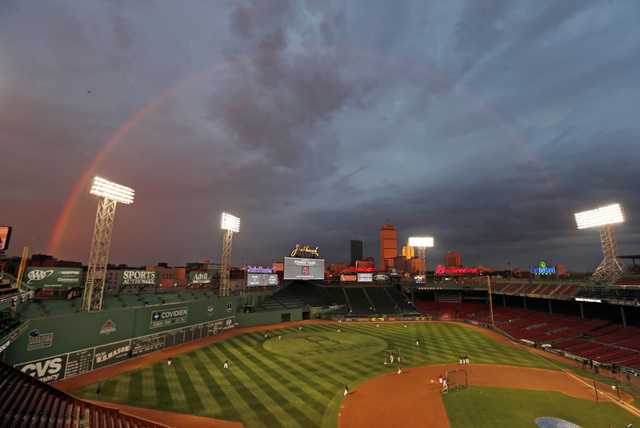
x,y
297,380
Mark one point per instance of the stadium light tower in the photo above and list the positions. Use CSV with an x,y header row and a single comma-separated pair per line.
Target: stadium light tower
x,y
229,224
421,243
603,220
110,194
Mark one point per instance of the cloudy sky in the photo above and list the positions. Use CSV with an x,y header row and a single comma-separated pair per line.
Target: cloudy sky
x,y
486,125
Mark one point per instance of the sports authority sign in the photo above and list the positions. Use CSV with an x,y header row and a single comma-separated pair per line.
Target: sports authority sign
x,y
169,317
52,277
137,277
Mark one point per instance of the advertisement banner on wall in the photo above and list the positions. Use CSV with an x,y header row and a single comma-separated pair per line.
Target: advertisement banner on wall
x,y
111,354
52,277
166,317
46,370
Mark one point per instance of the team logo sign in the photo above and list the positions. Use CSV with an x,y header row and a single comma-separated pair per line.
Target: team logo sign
x,y
108,327
210,310
229,307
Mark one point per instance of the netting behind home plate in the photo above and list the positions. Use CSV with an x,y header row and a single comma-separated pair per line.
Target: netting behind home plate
x,y
456,379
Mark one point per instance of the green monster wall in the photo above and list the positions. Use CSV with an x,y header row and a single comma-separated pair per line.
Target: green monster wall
x,y
55,348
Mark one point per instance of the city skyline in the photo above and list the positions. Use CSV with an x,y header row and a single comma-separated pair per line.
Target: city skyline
x,y
484,125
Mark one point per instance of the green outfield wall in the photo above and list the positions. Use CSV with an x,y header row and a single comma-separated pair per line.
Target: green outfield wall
x,y
58,347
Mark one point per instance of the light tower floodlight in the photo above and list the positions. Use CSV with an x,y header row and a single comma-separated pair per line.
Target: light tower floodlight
x,y
229,224
421,243
110,194
107,189
603,220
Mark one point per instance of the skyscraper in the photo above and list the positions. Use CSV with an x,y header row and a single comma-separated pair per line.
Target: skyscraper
x,y
356,252
388,245
452,260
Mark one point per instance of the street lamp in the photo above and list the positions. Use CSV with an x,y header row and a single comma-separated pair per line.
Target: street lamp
x,y
603,219
110,194
229,224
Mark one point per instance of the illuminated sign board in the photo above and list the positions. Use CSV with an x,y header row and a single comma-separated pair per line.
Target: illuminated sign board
x,y
542,269
307,250
260,269
348,278
261,279
419,279
5,235
368,269
381,277
299,268
365,277
441,270
54,277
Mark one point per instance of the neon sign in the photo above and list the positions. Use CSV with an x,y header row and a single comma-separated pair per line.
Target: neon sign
x,y
367,269
304,249
441,270
260,269
543,269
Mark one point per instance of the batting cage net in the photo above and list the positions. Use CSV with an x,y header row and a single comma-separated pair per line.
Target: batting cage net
x,y
393,356
454,380
607,387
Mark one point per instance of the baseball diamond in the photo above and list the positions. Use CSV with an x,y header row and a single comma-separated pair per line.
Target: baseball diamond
x,y
197,359
267,388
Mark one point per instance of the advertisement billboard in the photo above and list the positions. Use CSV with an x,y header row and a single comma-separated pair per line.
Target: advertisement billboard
x,y
300,268
348,278
365,277
5,235
137,277
261,279
52,277
198,277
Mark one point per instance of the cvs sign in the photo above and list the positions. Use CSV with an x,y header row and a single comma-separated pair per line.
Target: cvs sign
x,y
47,370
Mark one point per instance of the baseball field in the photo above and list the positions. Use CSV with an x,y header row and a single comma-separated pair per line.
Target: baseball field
x,y
295,377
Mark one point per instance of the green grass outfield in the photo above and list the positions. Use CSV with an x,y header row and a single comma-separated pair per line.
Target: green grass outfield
x,y
490,407
298,380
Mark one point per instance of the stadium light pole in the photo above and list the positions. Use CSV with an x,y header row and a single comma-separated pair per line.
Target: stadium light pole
x,y
603,219
229,224
421,243
110,194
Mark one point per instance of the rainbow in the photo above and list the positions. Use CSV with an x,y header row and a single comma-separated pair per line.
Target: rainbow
x,y
82,183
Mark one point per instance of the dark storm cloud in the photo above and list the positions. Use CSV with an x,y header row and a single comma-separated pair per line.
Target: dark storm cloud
x,y
485,125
